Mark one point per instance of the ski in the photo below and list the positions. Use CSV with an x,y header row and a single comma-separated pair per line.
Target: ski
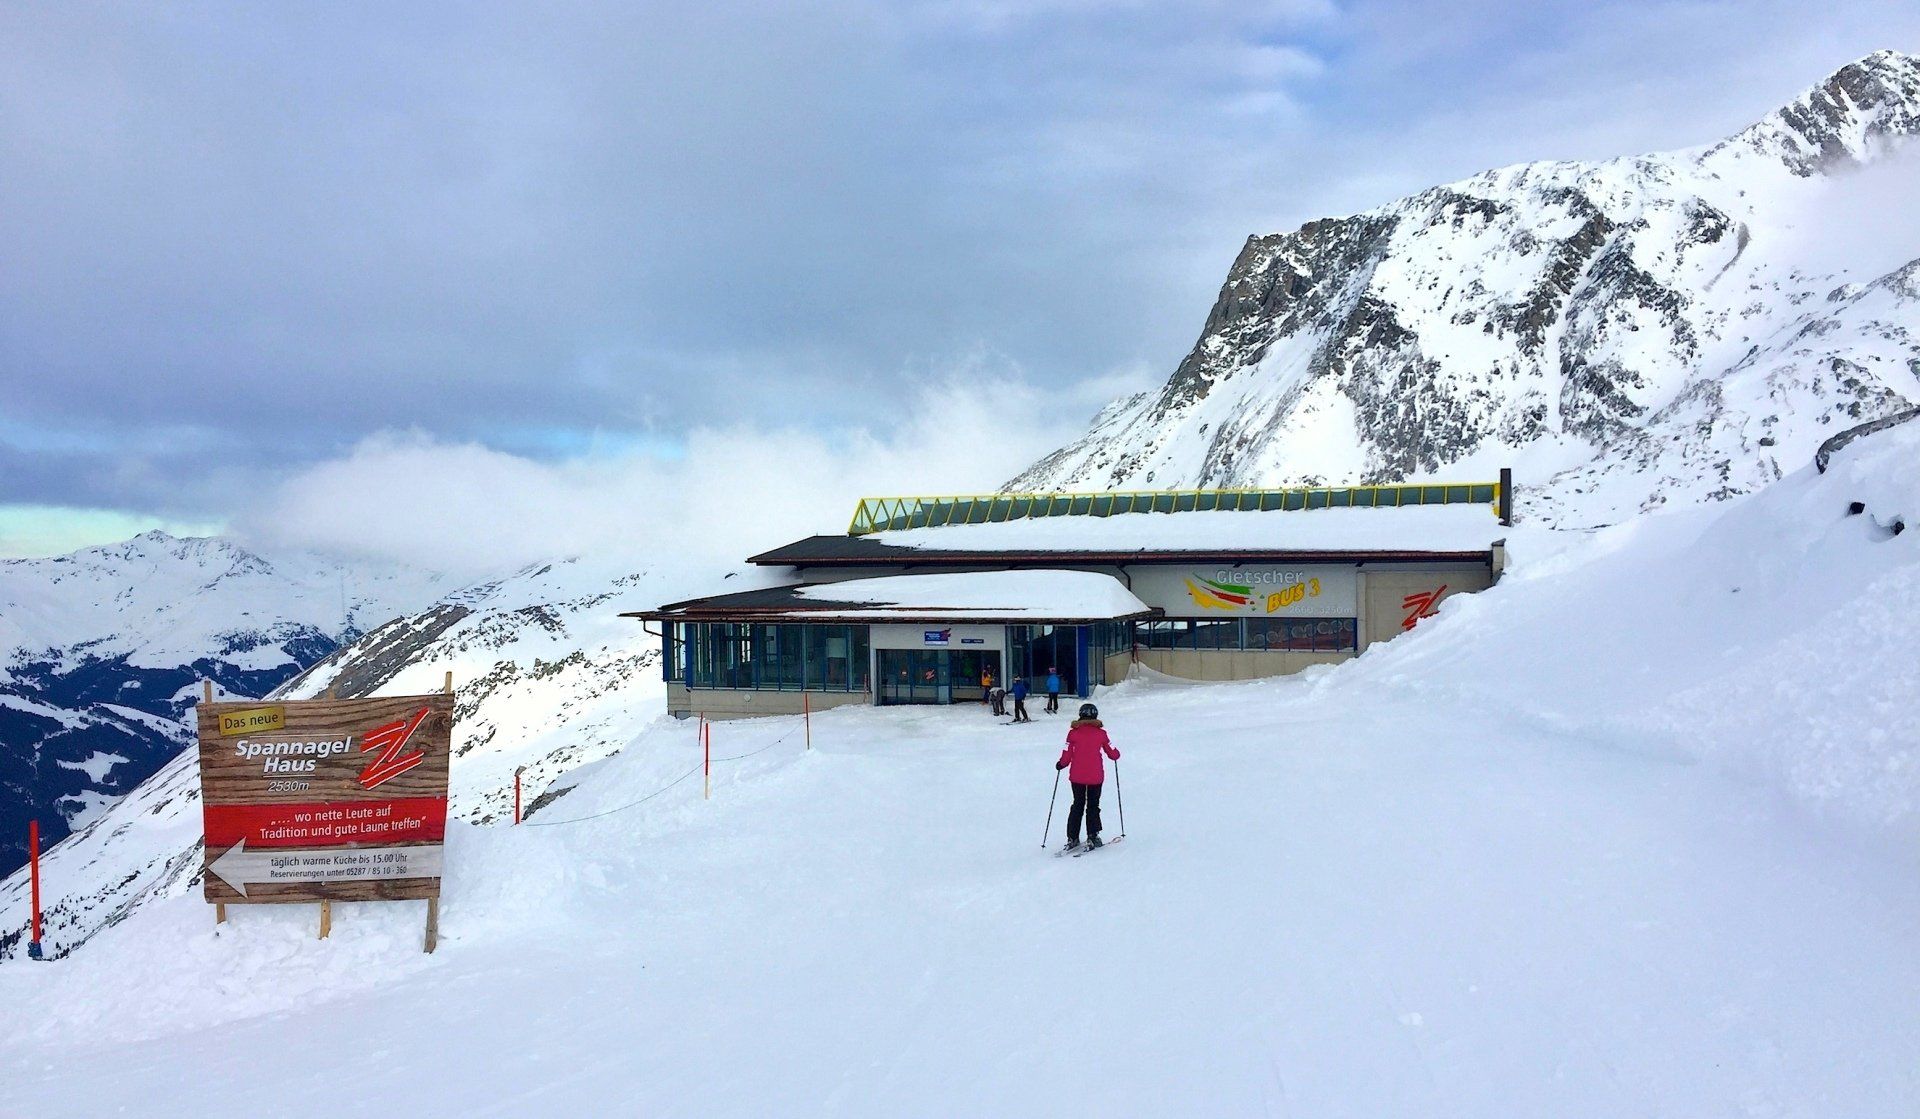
x,y
1073,850
1083,849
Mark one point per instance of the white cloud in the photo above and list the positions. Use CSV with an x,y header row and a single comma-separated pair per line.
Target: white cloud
x,y
732,491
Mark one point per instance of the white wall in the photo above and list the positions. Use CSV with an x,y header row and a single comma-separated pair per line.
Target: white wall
x,y
988,639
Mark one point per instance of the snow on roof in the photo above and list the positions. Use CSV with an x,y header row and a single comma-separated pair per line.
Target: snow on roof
x,y
1427,528
1013,594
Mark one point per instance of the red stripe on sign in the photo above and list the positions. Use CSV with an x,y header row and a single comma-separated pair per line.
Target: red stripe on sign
x,y
409,819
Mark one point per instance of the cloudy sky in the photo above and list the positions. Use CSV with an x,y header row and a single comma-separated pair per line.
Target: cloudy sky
x,y
267,267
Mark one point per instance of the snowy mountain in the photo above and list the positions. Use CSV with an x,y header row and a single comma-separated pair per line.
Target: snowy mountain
x,y
547,674
1628,334
102,653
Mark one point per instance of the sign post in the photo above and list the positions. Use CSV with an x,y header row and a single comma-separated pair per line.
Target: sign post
x,y
33,860
325,800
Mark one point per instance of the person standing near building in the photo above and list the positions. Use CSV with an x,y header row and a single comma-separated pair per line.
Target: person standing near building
x,y
1020,700
1053,691
986,686
1087,741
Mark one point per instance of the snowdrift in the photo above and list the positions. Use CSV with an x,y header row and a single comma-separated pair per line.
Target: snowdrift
x,y
1771,638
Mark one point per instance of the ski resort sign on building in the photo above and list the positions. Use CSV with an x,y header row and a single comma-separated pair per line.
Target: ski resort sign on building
x,y
1308,590
325,800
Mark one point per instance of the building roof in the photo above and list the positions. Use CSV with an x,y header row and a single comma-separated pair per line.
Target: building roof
x,y
985,596
1411,534
890,514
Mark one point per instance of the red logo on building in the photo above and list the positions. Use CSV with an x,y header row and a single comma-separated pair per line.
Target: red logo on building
x,y
1422,605
390,739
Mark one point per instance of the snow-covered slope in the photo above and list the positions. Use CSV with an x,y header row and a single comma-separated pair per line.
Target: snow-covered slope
x,y
1549,854
1659,329
548,676
102,653
1770,639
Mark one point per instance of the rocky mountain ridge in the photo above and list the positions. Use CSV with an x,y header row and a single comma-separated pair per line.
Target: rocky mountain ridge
x,y
1675,327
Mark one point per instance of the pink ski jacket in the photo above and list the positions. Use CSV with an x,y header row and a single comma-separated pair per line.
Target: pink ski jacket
x,y
1085,743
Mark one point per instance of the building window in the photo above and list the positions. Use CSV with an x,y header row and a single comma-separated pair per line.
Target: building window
x,y
1105,640
1168,635
1216,635
674,641
785,658
857,657
1303,635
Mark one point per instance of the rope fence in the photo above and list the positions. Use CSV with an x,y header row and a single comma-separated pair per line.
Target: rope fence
x,y
664,788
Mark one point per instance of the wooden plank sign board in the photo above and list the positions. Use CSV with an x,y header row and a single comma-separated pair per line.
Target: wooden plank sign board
x,y
325,799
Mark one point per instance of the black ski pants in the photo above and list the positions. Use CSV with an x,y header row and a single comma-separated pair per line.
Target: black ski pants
x,y
1020,710
1053,703
1086,802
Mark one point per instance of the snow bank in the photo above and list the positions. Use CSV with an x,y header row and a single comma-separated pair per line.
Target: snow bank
x,y
1771,637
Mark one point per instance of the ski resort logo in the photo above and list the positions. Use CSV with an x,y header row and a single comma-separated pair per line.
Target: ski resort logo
x,y
937,636
1244,598
1423,605
1211,595
390,739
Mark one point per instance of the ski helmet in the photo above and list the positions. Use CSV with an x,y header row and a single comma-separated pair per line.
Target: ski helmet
x,y
1089,711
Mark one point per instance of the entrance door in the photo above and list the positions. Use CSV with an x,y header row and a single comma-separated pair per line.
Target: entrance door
x,y
933,675
1051,648
965,668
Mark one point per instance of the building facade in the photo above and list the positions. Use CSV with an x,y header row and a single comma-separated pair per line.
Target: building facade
x,y
923,610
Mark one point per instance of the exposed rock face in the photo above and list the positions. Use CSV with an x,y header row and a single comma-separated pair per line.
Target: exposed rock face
x,y
1660,328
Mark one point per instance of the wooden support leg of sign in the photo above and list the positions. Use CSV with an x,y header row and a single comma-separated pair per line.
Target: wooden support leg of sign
x,y
219,907
326,919
433,903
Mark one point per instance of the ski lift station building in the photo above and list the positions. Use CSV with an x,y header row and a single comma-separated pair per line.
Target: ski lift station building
x,y
922,595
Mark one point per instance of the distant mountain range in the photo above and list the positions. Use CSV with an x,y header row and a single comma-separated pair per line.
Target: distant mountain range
x,y
548,676
102,654
1656,329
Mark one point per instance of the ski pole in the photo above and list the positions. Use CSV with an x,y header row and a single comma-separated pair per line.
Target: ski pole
x,y
1051,801
1119,798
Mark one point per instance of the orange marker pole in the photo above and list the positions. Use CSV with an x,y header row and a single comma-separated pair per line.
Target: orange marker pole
x,y
33,860
806,712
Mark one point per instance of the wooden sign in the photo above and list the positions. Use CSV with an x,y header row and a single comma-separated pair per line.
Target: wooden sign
x,y
325,799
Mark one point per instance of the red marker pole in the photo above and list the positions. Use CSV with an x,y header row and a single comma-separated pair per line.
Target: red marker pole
x,y
706,742
516,794
33,860
806,712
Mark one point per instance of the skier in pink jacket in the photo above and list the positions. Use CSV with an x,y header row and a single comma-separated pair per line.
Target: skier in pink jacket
x,y
1086,741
